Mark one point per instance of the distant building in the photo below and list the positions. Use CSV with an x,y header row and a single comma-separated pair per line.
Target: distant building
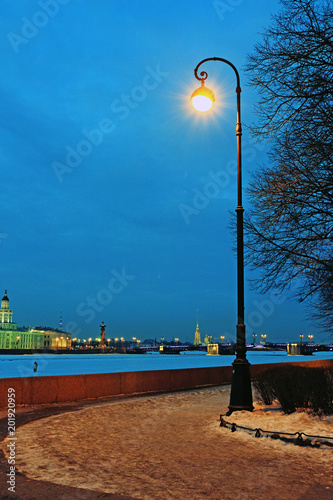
x,y
13,338
213,349
28,338
54,339
6,314
197,340
149,342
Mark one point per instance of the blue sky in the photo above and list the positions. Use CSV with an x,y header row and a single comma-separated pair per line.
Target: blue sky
x,y
110,210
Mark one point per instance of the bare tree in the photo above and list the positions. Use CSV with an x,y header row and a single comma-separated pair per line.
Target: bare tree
x,y
290,228
292,68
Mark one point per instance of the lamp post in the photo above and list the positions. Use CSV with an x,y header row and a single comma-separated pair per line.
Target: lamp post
x,y
241,393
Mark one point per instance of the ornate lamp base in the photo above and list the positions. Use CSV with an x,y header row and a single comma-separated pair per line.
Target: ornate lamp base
x,y
241,392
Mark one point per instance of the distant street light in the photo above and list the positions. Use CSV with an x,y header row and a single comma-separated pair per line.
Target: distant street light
x,y
301,337
310,338
241,393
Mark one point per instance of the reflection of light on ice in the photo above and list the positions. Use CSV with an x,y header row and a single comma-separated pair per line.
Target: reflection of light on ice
x,y
81,364
193,353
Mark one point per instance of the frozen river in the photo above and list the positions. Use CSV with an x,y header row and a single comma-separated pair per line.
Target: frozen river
x,y
75,364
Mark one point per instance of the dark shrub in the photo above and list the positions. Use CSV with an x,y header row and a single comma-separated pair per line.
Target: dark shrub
x,y
264,388
320,389
297,387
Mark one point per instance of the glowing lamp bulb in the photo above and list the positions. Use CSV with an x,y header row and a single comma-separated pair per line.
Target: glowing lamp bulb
x,y
203,98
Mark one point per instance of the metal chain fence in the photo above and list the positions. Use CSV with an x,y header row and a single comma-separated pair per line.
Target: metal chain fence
x,y
298,438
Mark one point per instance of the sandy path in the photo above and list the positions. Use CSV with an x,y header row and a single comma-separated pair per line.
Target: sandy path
x,y
169,447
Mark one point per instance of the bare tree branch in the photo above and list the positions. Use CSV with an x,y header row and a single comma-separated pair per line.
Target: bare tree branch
x,y
289,232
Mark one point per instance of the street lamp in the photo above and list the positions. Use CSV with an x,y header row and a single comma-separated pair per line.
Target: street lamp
x,y
241,393
301,337
203,98
310,338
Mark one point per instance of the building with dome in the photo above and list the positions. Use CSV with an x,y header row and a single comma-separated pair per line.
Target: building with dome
x,y
12,337
6,314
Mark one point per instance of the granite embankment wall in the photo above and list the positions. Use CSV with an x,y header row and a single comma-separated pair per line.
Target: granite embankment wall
x,y
55,389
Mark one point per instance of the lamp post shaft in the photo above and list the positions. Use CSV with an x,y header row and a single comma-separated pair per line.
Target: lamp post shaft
x,y
241,338
241,393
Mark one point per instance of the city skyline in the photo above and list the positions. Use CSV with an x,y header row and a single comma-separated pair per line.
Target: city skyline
x,y
253,337
118,198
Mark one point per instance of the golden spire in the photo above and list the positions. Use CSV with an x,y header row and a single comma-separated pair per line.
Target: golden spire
x,y
197,339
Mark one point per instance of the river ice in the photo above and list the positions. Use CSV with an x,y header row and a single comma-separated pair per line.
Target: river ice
x,y
79,364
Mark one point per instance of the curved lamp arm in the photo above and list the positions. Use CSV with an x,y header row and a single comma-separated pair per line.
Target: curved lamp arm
x,y
203,75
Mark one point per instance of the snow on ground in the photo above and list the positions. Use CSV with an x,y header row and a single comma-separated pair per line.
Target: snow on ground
x,y
272,418
75,364
170,446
